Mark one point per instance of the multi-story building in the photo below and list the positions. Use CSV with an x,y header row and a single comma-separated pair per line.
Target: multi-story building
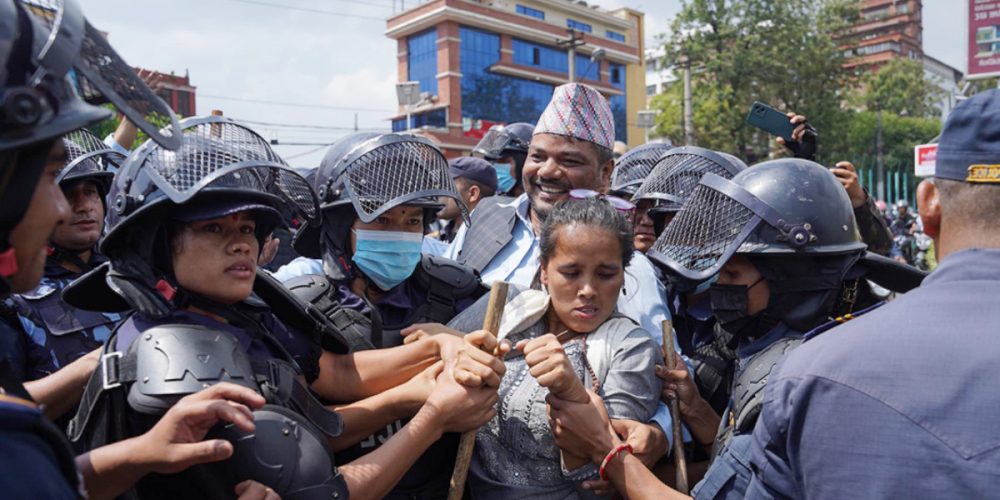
x,y
177,91
885,30
484,62
658,74
947,79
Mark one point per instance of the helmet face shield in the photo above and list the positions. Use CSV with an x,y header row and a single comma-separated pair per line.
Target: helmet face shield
x,y
393,170
677,174
496,142
65,41
218,154
88,157
632,168
706,232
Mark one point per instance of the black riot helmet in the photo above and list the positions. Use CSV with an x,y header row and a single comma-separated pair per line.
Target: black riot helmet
x,y
88,158
500,141
220,164
632,168
787,206
47,51
790,217
507,141
365,175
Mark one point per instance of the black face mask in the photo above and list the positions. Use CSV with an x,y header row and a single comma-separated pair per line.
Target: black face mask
x,y
729,305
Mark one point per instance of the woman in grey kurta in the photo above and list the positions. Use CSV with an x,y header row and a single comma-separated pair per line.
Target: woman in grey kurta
x,y
585,246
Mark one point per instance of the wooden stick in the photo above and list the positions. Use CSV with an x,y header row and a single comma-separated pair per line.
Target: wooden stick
x,y
670,361
494,311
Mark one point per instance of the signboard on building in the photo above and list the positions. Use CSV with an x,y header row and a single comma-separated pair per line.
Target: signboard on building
x,y
924,159
476,128
984,38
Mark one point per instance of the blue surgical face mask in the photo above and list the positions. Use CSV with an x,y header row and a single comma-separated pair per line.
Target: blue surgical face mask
x,y
387,257
505,181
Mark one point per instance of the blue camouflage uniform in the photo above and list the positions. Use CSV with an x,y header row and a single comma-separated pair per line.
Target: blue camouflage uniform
x,y
913,371
57,333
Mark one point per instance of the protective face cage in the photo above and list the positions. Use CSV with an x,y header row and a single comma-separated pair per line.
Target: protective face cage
x,y
68,42
88,157
217,155
677,173
391,170
715,223
497,141
632,168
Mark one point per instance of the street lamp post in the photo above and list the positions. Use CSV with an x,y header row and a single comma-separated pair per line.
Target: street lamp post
x,y
408,94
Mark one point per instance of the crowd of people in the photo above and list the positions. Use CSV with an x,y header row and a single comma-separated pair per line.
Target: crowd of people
x,y
661,317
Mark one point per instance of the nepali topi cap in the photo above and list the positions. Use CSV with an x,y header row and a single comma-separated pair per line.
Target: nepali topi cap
x,y
578,111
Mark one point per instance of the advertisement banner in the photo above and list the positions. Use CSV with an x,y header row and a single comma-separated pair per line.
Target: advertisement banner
x,y
984,38
924,160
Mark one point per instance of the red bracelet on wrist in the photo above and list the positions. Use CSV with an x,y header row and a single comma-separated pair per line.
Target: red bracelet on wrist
x,y
611,455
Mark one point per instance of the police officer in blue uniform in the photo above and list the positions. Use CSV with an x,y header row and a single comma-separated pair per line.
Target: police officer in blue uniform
x,y
58,333
378,194
895,403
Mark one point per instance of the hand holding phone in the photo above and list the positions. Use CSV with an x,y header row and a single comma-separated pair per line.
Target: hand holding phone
x,y
771,120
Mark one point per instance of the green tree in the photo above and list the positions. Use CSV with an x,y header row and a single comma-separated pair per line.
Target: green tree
x,y
783,52
899,88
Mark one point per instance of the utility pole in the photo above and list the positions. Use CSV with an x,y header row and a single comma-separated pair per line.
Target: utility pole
x,y
879,160
575,40
688,120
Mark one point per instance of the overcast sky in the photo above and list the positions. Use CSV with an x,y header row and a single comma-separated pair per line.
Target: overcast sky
x,y
330,56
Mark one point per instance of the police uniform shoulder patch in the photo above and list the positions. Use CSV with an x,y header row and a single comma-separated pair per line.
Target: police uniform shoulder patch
x,y
983,174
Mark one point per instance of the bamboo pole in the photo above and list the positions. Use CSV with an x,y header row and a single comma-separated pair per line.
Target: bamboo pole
x,y
670,361
494,311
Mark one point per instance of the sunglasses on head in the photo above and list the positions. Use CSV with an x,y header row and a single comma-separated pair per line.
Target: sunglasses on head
x,y
619,204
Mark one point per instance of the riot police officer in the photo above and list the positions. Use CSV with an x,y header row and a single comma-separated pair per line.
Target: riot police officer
x,y
507,147
711,350
378,193
630,170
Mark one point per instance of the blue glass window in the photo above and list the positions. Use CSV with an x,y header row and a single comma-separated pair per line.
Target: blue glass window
x,y
541,56
437,118
618,107
577,25
422,60
618,37
501,98
528,11
585,69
